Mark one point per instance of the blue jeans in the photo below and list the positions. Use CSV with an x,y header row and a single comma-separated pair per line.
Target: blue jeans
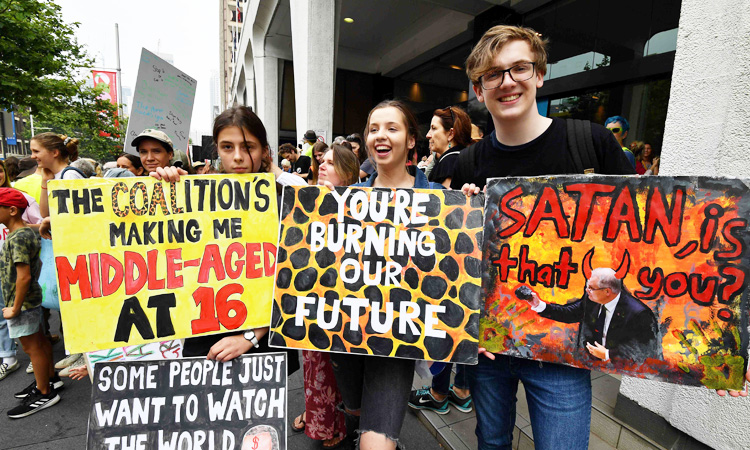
x,y
7,345
559,399
441,382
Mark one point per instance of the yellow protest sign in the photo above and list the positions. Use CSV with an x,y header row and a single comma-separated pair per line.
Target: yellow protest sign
x,y
140,260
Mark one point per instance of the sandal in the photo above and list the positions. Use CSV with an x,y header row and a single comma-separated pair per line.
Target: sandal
x,y
334,442
299,423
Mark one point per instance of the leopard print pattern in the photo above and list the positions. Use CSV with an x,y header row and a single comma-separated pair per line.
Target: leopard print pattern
x,y
158,199
451,277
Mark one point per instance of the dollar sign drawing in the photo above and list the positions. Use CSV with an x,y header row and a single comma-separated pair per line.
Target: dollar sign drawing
x,y
255,442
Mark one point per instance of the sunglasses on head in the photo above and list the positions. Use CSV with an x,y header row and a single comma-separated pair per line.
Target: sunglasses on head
x,y
615,129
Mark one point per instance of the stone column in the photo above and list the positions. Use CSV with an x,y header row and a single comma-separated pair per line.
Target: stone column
x,y
314,48
706,133
266,69
268,91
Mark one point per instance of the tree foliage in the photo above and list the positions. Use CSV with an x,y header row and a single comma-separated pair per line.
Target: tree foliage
x,y
43,70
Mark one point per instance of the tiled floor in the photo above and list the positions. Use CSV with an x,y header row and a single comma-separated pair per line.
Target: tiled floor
x,y
456,430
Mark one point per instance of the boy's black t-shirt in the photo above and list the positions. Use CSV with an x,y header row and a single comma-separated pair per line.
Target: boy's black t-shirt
x,y
445,165
302,165
545,155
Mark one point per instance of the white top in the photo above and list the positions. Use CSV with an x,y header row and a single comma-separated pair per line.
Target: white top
x,y
290,179
71,174
610,307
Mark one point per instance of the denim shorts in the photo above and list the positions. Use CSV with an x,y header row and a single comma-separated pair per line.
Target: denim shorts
x,y
376,386
26,323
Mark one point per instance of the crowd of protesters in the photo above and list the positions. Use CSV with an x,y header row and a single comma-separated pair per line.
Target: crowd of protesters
x,y
344,393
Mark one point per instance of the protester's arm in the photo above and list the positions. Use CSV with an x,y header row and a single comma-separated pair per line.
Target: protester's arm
x,y
168,174
45,228
43,200
233,346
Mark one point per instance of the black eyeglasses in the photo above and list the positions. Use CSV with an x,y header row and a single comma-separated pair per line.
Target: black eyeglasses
x,y
494,78
589,288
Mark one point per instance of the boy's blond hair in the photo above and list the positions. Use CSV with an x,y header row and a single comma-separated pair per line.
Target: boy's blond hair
x,y
483,54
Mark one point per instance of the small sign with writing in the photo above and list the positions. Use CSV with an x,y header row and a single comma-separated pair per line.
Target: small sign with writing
x,y
191,403
163,100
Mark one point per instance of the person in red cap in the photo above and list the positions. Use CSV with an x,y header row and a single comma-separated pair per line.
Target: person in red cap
x,y
19,273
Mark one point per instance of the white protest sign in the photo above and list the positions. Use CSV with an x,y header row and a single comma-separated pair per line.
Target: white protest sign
x,y
163,100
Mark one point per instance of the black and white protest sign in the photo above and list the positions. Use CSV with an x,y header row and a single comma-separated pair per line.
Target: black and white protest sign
x,y
190,404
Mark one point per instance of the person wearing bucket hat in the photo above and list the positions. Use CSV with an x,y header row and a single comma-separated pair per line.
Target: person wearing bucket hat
x,y
154,148
308,140
201,168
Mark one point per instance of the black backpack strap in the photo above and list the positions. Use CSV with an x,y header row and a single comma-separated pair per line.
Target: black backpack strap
x,y
467,162
581,146
75,169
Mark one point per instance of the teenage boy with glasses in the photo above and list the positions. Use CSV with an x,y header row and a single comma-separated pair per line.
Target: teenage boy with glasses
x,y
506,68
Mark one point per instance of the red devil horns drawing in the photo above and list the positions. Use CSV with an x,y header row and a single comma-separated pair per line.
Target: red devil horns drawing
x,y
619,273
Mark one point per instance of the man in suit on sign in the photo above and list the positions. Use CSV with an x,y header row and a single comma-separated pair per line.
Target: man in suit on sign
x,y
613,323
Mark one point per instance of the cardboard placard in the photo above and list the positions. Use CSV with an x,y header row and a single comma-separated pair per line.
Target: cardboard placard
x,y
388,272
163,100
140,260
679,246
191,403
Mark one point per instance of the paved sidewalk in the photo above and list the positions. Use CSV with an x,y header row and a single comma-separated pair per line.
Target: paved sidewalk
x,y
456,429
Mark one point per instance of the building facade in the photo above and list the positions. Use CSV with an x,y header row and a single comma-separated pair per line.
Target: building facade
x,y
230,24
604,59
323,64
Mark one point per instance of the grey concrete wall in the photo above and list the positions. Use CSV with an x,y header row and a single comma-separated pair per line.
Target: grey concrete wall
x,y
314,47
707,132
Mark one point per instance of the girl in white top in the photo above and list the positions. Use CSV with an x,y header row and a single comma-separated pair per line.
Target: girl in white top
x,y
53,152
